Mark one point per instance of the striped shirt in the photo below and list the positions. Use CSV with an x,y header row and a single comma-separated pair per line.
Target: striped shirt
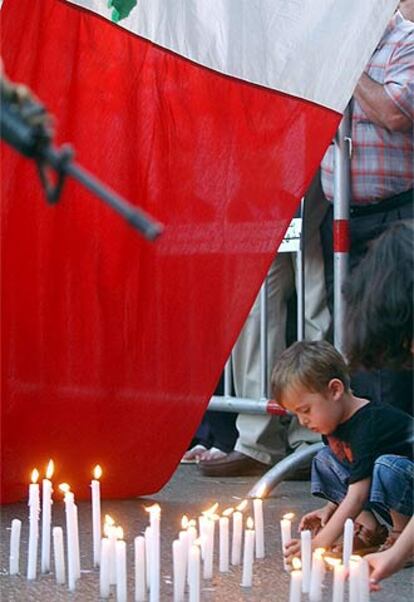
x,y
382,163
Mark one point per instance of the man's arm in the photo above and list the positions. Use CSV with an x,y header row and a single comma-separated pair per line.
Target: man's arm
x,y
379,107
350,507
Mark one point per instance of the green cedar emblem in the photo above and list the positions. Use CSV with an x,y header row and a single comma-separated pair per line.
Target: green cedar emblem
x,y
121,8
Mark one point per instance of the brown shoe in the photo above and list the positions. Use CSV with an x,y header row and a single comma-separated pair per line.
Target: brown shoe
x,y
234,464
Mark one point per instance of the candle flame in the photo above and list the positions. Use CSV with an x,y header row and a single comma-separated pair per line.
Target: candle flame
x,y
355,558
97,472
211,510
119,533
154,509
109,520
184,522
50,469
261,491
319,552
288,516
228,511
64,487
296,564
249,523
35,475
333,561
242,506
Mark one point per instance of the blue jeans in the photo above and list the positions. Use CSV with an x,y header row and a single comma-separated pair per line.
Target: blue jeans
x,y
391,486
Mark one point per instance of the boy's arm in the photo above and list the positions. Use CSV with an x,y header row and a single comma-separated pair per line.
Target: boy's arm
x,y
350,507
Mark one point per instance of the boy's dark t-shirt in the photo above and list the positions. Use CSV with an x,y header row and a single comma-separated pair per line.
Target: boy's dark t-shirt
x,y
373,431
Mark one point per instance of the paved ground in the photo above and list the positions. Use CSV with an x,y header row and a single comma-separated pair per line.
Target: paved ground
x,y
188,493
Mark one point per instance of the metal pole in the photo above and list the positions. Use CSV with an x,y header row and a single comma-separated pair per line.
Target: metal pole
x,y
263,341
300,293
341,239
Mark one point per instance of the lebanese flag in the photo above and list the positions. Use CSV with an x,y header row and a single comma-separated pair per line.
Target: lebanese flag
x,y
213,117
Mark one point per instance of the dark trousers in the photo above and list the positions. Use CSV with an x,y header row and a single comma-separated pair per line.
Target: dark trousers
x,y
387,386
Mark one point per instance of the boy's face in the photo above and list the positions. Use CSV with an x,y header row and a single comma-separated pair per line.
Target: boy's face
x,y
319,412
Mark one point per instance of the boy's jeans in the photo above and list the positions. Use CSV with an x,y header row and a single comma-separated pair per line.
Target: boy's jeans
x,y
391,486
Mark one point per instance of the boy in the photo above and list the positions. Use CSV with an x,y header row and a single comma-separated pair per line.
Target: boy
x,y
311,379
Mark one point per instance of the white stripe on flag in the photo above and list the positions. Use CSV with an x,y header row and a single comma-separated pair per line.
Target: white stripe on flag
x,y
315,50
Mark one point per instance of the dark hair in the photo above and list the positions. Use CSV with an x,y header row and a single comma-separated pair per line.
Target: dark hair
x,y
379,298
311,364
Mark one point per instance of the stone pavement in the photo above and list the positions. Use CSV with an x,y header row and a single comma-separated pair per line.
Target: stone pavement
x,y
186,493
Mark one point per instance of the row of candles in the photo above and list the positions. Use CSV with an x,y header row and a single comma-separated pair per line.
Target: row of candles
x,y
189,549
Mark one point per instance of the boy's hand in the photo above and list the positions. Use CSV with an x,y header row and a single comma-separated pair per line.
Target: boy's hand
x,y
315,520
292,550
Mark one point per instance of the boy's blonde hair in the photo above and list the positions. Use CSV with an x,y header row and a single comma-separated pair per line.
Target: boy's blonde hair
x,y
310,364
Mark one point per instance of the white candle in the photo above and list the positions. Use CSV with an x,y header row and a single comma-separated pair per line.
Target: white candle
x,y
317,575
295,581
16,526
339,581
306,557
121,572
194,573
110,530
191,537
202,530
363,581
286,532
139,562
34,509
236,538
348,541
248,553
59,555
179,549
183,538
96,514
46,517
259,527
224,541
70,535
209,549
104,567
155,516
148,555
354,578
77,547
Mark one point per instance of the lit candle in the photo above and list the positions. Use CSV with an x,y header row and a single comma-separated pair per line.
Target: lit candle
x,y
354,578
339,578
147,535
34,509
140,587
179,549
363,580
317,575
202,530
237,533
209,549
248,553
295,581
306,558
121,573
224,541
194,573
155,516
183,538
191,537
104,568
286,532
96,514
348,541
59,555
70,534
77,547
258,524
16,526
110,530
46,517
